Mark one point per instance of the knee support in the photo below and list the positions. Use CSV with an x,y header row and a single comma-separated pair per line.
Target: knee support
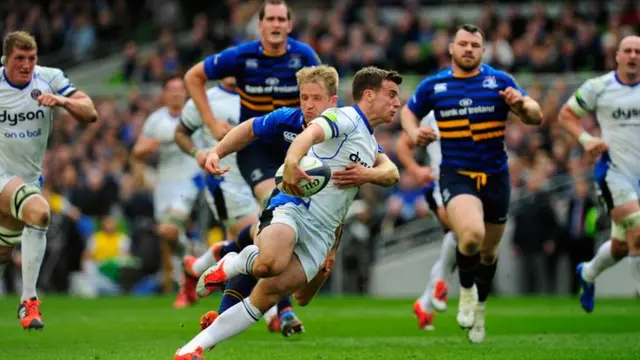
x,y
619,230
20,197
10,237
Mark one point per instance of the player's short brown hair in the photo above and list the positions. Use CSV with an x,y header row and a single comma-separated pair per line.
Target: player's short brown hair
x,y
322,74
18,40
167,79
371,78
274,2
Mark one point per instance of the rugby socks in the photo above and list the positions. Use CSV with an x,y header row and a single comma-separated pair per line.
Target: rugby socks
x,y
467,266
448,255
425,299
244,237
241,263
602,261
284,306
484,279
204,262
233,322
34,246
243,240
236,289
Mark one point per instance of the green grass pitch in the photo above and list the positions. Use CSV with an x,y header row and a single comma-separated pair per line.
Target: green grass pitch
x,y
337,328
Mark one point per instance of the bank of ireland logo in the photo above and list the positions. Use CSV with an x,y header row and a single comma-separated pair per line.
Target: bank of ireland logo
x,y
35,93
272,81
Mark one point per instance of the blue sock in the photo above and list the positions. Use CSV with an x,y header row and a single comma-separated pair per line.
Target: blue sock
x,y
284,306
244,237
236,290
230,247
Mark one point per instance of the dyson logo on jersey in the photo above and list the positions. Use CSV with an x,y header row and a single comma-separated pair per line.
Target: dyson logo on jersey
x,y
356,159
625,114
13,119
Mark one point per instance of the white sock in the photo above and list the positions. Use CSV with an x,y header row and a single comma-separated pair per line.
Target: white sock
x,y
425,299
34,245
204,262
634,261
602,261
448,255
270,314
242,263
230,323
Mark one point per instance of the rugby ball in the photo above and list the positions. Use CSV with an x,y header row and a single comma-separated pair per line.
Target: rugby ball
x,y
316,169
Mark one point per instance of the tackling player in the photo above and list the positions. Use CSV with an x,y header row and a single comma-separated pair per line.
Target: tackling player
x,y
175,192
303,226
435,294
613,100
28,94
471,102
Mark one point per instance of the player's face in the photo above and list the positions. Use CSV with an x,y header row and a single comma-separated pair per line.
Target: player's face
x,y
628,56
314,99
175,95
466,50
20,65
385,103
275,26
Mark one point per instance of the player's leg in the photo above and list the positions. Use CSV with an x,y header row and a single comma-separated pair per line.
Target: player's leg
x,y
618,195
466,216
246,313
495,198
22,203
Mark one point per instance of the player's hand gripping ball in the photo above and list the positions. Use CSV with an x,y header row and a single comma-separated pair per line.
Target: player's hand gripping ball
x,y
311,177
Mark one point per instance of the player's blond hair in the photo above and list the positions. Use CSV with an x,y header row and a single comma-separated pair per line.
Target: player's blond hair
x,y
323,74
18,40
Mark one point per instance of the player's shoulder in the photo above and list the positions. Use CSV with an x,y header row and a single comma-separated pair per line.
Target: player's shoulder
x,y
247,48
158,115
299,47
47,73
287,114
602,82
500,75
343,114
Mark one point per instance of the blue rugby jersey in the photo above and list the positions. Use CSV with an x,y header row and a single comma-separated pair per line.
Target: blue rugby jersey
x,y
471,117
265,82
281,127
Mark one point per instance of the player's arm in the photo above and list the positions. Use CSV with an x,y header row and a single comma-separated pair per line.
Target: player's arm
x,y
148,142
416,108
65,95
581,103
293,173
384,172
524,106
237,139
81,107
144,147
212,68
182,137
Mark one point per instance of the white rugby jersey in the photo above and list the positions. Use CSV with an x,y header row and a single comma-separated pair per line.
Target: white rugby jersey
x,y
173,164
24,125
617,109
348,139
226,107
433,149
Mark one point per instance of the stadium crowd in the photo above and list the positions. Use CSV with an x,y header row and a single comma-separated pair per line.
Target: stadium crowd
x,y
90,176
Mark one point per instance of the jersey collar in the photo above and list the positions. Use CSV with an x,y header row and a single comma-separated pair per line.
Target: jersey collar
x,y
4,74
615,74
272,54
465,76
364,118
